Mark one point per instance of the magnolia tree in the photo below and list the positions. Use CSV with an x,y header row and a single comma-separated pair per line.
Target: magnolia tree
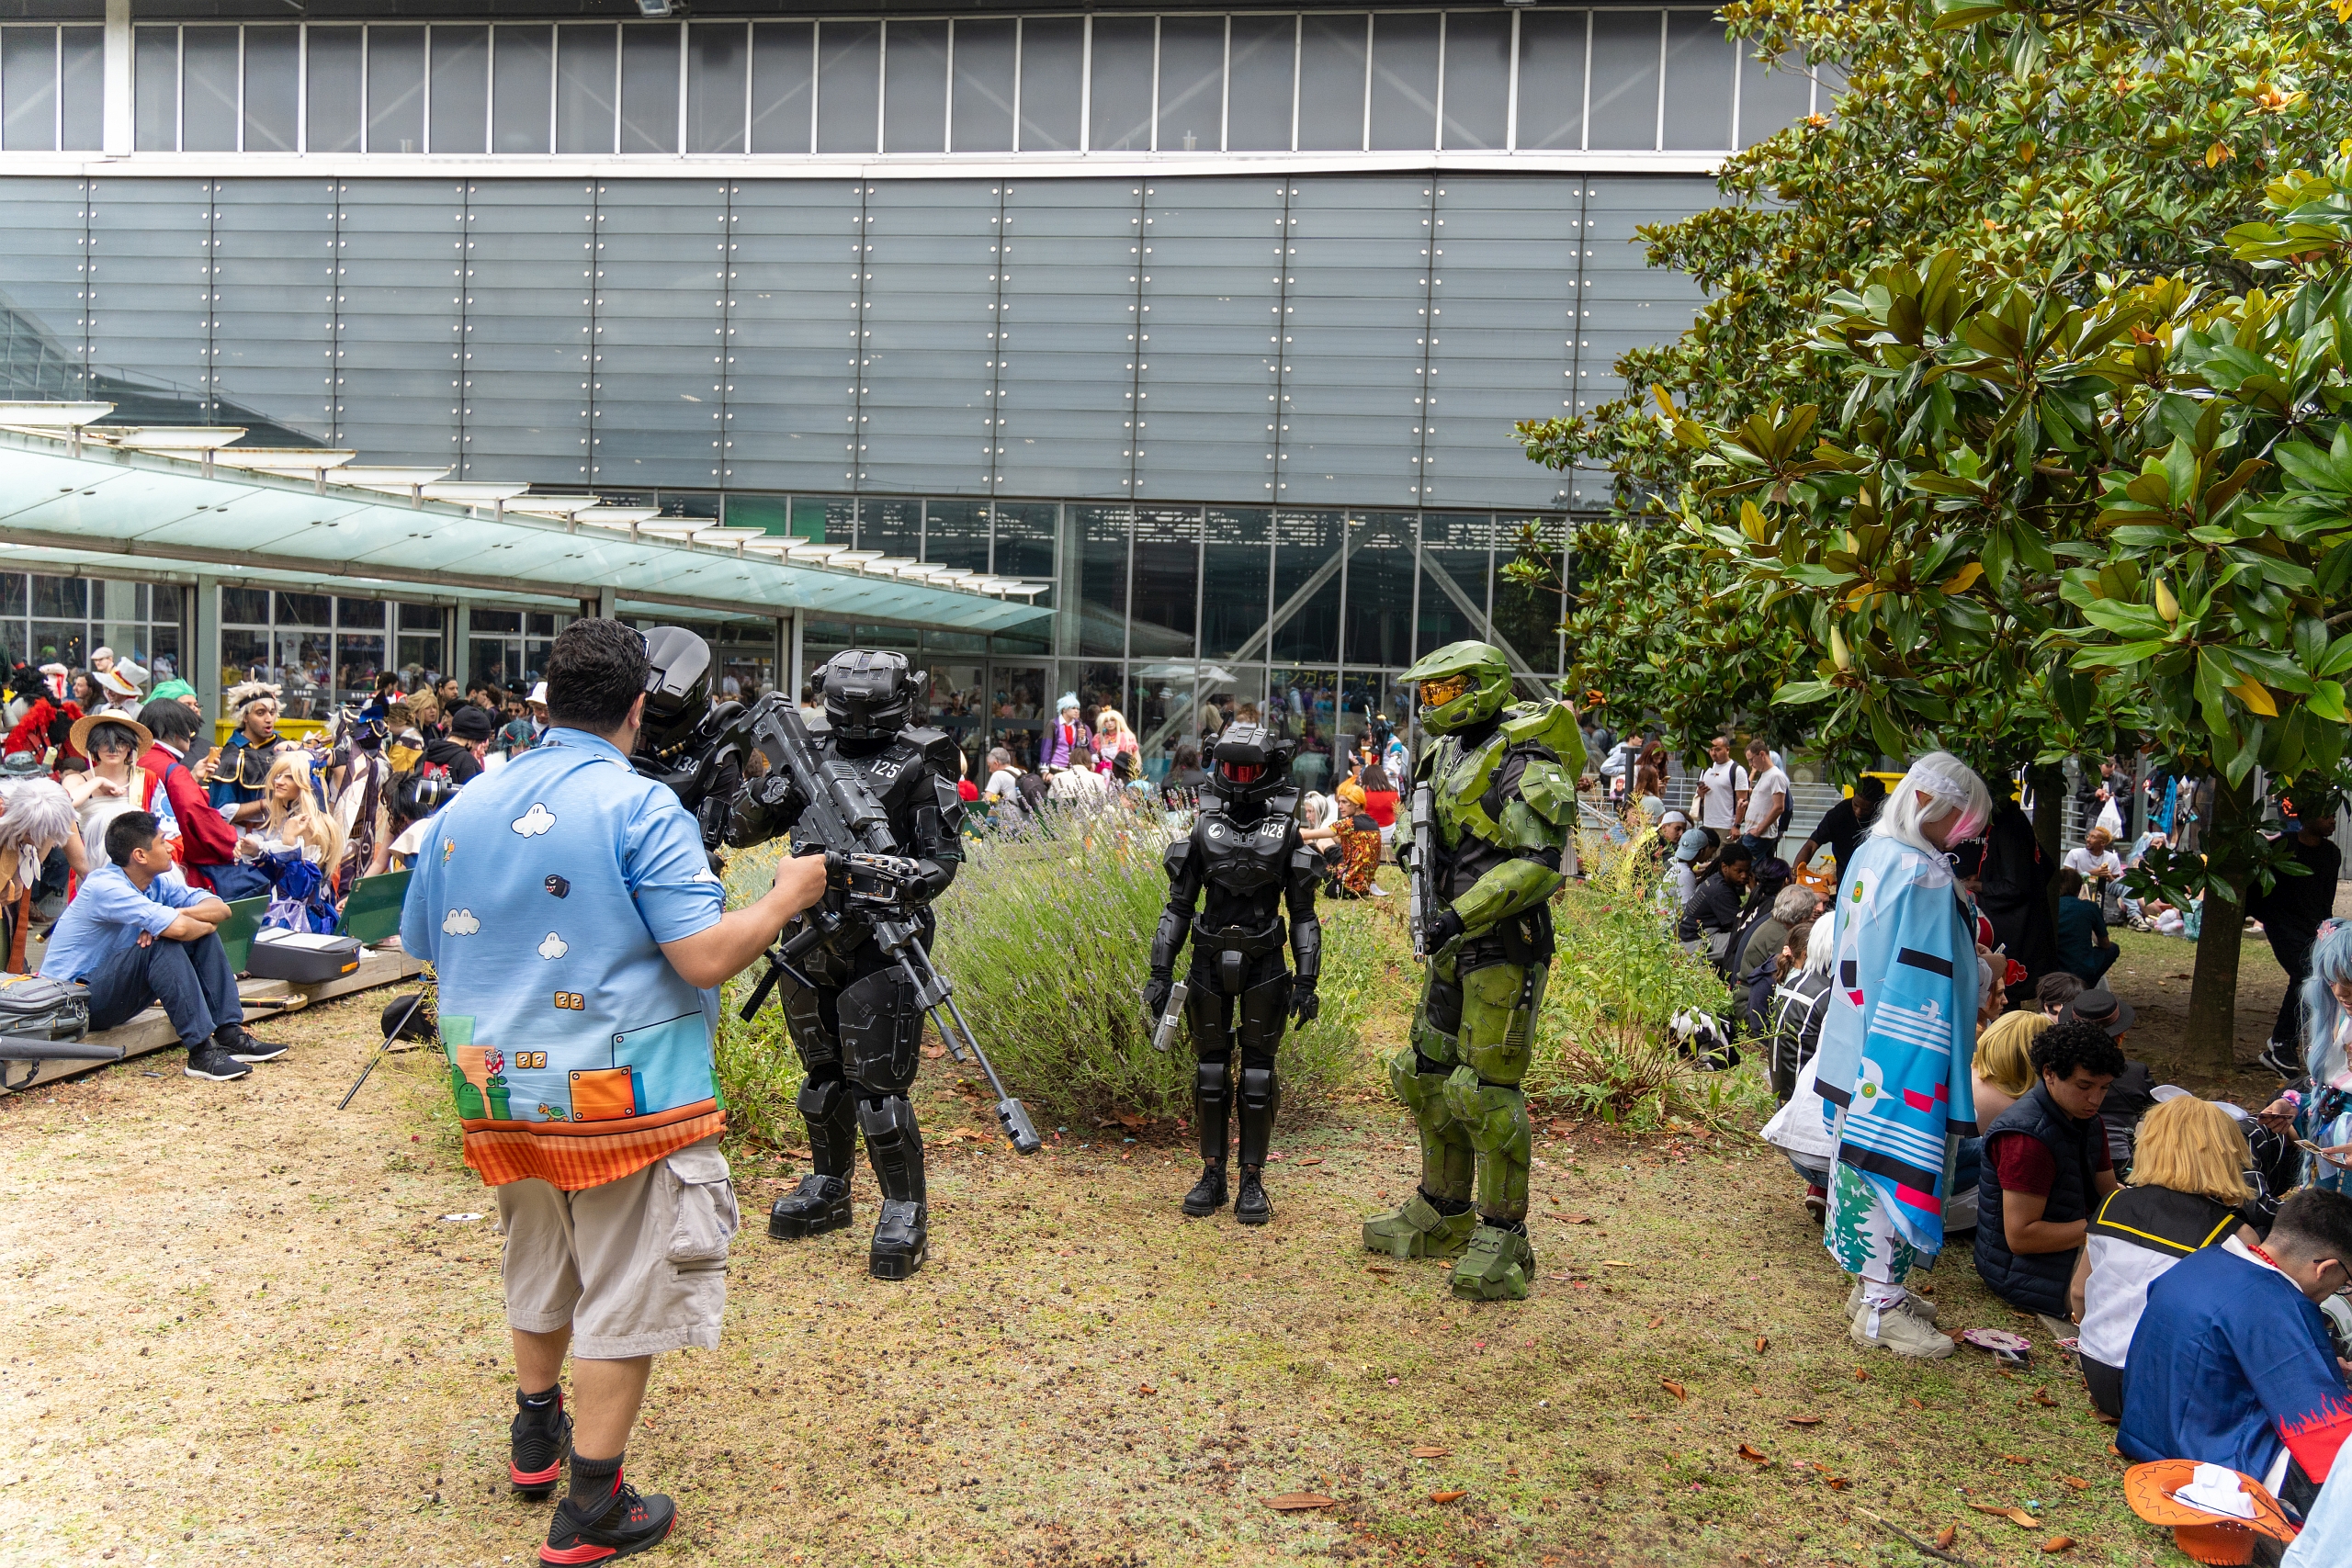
x,y
1983,438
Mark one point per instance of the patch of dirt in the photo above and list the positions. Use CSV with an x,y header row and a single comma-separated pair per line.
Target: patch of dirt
x,y
247,1325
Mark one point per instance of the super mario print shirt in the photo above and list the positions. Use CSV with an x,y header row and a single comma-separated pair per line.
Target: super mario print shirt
x,y
540,895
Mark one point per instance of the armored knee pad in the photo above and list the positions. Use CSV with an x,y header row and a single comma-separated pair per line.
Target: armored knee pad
x,y
881,1028
1260,1096
822,1098
894,1145
1212,1097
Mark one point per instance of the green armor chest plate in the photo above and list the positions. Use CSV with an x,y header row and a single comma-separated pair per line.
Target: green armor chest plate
x,y
1458,780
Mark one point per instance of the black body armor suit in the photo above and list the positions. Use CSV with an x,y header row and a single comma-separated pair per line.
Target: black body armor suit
x,y
677,744
858,1028
1241,867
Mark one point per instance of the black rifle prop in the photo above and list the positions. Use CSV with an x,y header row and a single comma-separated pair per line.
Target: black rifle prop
x,y
391,1033
15,1048
841,816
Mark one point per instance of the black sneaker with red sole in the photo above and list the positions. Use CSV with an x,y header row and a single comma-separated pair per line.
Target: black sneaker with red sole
x,y
634,1523
537,1445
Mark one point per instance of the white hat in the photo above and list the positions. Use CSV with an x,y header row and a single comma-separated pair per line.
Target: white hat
x,y
1672,818
115,683
538,695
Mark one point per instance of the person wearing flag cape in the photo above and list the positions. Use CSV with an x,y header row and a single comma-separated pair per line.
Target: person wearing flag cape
x,y
1895,1048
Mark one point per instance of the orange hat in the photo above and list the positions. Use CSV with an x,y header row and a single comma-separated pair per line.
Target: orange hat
x,y
2215,1512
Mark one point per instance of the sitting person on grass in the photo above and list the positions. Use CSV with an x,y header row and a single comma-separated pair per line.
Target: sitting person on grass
x,y
2232,1363
139,940
2085,950
2045,1166
2188,1190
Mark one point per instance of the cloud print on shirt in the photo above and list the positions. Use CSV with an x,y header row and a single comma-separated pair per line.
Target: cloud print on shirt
x,y
461,922
554,947
534,821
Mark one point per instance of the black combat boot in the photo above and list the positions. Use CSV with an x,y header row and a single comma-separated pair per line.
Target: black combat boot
x,y
901,1234
1260,1098
821,1202
1212,1098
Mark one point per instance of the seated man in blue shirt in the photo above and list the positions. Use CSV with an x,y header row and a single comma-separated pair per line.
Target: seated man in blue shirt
x,y
2232,1362
138,940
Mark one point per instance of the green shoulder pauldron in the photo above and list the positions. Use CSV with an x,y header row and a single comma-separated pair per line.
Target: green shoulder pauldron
x,y
1547,790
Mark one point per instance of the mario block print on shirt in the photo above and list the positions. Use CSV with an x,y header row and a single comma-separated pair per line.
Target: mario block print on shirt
x,y
671,1060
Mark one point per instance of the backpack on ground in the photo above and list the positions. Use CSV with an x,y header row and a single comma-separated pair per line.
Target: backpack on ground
x,y
36,1008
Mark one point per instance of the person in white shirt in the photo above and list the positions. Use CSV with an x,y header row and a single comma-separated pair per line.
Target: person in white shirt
x,y
1617,768
1722,793
1766,811
2097,857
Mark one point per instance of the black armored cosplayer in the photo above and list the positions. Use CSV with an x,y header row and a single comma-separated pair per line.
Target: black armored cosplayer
x,y
858,1023
1242,863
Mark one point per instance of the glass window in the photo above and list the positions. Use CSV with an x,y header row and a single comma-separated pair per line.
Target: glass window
x,y
1379,620
304,609
208,88
1305,703
1455,560
783,76
984,75
1053,66
1552,79
827,521
718,63
420,659
1771,97
244,655
894,527
1626,46
421,618
650,87
955,533
1097,622
1122,84
81,87
63,597
28,89
1192,83
155,93
849,86
523,68
1700,60
357,661
915,96
1166,593
12,594
587,60
395,89
1403,81
1236,568
485,620
1330,83
1478,79
359,615
537,624
1263,77
272,89
460,58
1527,620
1024,541
245,606
331,102
1307,585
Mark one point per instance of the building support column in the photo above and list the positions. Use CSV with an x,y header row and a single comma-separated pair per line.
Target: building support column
x,y
203,662
115,135
787,655
460,657
607,599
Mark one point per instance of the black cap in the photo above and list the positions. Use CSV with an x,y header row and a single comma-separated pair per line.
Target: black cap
x,y
471,723
2100,1005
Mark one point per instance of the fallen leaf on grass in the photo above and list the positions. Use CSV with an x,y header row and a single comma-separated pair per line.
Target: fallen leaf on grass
x,y
1674,1388
1614,1263
1804,1420
1430,1451
2076,1481
1946,1536
1145,1388
1658,1323
1132,1122
2042,1397
1761,1344
932,1053
2018,1516
1837,1482
1294,1502
1447,1497
967,1135
2016,1459
1861,1376
1378,1268
1312,1159
1914,1401
2059,1543
1576,1219
1752,1455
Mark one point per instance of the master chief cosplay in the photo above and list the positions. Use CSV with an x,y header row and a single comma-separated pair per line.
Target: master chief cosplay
x,y
1245,857
1502,782
858,1029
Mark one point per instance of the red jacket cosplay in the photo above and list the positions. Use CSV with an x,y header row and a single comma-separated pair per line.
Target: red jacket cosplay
x,y
206,840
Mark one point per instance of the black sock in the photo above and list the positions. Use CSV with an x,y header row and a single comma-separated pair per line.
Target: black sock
x,y
546,1399
1447,1206
594,1482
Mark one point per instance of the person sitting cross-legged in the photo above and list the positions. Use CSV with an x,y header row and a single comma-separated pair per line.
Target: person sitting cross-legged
x,y
139,939
2045,1166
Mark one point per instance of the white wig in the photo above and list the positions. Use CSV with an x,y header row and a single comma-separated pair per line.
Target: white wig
x,y
1821,947
1938,785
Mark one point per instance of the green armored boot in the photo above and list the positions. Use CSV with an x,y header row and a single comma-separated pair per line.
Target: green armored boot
x,y
1418,1230
1497,1266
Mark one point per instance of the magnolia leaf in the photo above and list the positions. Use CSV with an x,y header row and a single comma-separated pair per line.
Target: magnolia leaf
x,y
1961,581
2255,696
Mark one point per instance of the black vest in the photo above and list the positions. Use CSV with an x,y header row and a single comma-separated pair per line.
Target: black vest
x,y
2038,1281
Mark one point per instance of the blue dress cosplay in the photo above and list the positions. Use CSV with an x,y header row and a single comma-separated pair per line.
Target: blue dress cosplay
x,y
1896,1045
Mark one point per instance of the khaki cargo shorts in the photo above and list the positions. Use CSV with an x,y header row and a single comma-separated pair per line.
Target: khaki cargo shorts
x,y
635,1267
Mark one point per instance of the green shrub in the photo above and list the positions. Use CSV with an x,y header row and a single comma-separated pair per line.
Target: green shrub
x,y
1048,939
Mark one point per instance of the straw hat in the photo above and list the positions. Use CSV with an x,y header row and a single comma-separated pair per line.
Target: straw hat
x,y
79,740
2214,1512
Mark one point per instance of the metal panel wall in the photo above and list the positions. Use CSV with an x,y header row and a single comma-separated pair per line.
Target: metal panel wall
x,y
794,302
528,317
1209,365
660,305
930,288
399,247
151,285
1069,420
274,261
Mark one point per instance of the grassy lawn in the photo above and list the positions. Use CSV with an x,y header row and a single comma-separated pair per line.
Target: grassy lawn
x,y
248,1326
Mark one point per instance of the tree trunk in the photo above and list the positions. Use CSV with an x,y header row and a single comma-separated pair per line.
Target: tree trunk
x,y
2049,786
2213,994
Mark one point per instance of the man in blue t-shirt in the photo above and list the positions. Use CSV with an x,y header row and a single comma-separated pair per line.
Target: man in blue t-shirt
x,y
139,939
2232,1363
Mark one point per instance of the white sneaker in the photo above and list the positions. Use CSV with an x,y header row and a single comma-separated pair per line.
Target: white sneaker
x,y
1902,1333
1918,1306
